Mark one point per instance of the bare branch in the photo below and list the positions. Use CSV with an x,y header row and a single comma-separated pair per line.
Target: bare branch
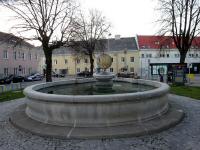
x,y
180,18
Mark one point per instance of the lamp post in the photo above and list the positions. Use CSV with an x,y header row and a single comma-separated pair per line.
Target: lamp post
x,y
109,41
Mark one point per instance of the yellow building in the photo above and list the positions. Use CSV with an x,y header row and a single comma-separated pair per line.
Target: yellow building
x,y
125,61
124,52
69,64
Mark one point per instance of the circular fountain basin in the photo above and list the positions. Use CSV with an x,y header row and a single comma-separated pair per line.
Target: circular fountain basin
x,y
96,110
96,115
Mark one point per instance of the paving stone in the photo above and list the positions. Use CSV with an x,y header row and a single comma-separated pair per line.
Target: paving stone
x,y
184,136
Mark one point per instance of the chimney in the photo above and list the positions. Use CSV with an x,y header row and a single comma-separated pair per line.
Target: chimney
x,y
117,37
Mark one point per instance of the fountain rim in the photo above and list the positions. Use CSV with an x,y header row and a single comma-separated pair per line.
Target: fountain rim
x,y
160,89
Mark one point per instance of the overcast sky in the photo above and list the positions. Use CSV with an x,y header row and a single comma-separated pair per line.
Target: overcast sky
x,y
127,17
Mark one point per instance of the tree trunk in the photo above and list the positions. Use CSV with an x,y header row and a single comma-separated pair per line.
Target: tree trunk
x,y
91,64
48,55
182,56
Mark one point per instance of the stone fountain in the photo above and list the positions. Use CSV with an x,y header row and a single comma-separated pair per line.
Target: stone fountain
x,y
97,108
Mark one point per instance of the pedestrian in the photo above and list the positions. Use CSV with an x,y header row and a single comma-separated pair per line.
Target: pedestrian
x,y
160,75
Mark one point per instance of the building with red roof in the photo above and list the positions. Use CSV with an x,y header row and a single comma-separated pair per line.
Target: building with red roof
x,y
161,52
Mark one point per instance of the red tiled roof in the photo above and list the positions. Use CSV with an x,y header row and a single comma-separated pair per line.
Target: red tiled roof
x,y
158,42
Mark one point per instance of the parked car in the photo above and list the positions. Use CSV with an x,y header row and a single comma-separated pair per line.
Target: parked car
x,y
17,78
6,80
84,74
126,75
57,75
34,77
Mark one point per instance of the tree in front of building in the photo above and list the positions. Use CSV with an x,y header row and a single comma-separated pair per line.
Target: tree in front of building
x,y
181,19
48,20
89,32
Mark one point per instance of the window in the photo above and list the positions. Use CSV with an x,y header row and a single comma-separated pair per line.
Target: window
x,y
20,68
29,70
30,56
157,42
167,55
177,55
36,56
148,55
142,56
5,54
122,59
111,59
55,61
78,70
155,69
78,61
132,59
66,61
86,61
132,69
111,69
86,69
15,71
19,55
23,71
15,55
162,55
5,71
23,56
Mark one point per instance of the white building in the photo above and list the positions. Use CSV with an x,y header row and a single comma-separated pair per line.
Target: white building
x,y
160,52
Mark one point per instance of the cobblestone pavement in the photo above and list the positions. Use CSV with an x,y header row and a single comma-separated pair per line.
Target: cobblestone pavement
x,y
185,136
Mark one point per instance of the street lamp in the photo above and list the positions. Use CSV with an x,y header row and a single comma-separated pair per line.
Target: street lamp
x,y
108,41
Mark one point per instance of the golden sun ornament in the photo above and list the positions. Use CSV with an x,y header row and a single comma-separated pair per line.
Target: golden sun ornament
x,y
104,61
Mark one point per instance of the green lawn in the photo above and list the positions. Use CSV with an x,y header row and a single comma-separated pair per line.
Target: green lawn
x,y
7,96
193,92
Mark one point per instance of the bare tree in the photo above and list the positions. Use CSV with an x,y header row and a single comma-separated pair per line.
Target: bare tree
x,y
181,20
50,20
89,32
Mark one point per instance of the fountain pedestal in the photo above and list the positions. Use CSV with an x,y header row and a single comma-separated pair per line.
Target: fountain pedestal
x,y
104,81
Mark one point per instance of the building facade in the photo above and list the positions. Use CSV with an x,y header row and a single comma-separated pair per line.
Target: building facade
x,y
160,52
142,55
124,53
17,56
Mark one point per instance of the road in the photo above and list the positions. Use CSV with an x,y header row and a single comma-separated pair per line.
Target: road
x,y
22,85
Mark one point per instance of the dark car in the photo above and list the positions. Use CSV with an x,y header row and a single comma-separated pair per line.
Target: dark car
x,y
17,79
6,80
84,74
125,75
57,75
